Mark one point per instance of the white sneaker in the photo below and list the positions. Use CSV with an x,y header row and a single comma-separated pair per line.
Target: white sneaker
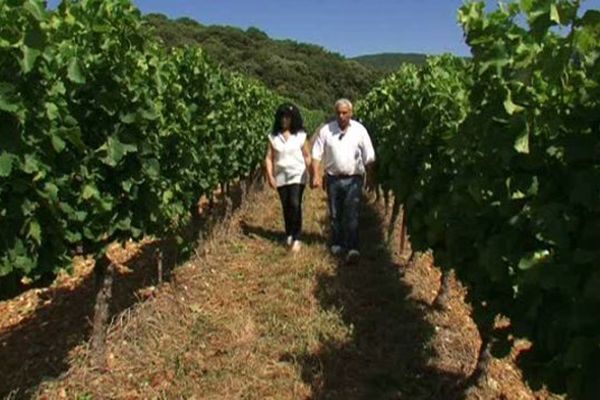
x,y
289,240
296,246
353,256
336,250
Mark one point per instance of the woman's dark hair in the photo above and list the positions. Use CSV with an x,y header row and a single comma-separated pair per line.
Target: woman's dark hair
x,y
288,110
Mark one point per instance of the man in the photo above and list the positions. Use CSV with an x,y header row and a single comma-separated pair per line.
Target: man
x,y
345,149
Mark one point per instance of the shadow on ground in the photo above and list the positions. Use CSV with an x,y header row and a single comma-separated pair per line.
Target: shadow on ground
x,y
387,356
40,347
276,236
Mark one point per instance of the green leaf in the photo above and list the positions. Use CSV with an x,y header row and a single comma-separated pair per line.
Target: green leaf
x,y
73,136
152,167
89,234
6,163
116,150
51,192
30,55
74,72
80,216
35,232
5,268
35,8
58,144
149,114
51,111
35,37
126,185
522,143
73,237
66,208
167,196
510,107
124,224
90,191
137,233
32,47
554,15
31,164
58,89
127,118
9,100
106,204
533,259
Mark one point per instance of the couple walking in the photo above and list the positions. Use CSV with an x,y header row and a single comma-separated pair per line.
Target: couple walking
x,y
344,148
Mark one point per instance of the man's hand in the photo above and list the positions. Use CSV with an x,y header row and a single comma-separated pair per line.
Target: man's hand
x,y
316,177
370,181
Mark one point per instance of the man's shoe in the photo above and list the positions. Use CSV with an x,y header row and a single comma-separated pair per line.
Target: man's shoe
x,y
289,240
336,250
352,257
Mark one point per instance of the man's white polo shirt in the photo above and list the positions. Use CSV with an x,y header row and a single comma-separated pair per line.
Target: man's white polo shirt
x,y
344,153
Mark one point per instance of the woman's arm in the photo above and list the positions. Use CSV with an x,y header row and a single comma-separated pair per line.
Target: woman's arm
x,y
269,161
306,155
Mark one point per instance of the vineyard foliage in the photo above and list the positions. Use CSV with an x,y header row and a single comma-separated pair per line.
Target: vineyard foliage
x,y
106,135
497,162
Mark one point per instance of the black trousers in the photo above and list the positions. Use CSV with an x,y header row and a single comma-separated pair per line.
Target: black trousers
x,y
291,202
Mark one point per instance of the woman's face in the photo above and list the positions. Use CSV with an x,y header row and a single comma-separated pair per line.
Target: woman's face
x,y
286,122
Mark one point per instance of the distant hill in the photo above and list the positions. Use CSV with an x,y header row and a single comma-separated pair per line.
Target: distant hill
x,y
305,73
388,62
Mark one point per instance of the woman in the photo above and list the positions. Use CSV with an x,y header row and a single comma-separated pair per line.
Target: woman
x,y
287,166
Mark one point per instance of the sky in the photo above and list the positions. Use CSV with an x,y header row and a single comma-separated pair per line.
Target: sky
x,y
350,28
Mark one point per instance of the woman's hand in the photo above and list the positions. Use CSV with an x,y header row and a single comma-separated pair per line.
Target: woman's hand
x,y
316,182
272,182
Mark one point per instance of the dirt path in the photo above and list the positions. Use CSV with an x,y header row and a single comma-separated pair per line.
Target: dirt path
x,y
248,320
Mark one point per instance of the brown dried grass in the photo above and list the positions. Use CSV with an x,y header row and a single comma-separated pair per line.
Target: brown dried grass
x,y
247,319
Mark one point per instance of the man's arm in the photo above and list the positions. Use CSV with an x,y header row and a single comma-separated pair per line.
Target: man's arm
x,y
367,150
317,179
368,154
317,153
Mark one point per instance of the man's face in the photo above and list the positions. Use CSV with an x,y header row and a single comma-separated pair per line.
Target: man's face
x,y
343,114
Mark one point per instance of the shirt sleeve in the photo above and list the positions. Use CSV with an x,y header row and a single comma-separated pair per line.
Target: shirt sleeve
x,y
303,139
367,150
319,145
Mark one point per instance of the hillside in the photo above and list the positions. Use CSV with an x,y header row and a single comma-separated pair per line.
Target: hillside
x,y
306,73
388,62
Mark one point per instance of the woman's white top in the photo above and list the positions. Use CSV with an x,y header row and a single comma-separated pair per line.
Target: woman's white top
x,y
289,166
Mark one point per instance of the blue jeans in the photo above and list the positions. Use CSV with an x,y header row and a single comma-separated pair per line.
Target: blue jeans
x,y
344,195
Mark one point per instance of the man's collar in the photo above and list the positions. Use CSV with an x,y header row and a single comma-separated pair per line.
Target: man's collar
x,y
339,128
